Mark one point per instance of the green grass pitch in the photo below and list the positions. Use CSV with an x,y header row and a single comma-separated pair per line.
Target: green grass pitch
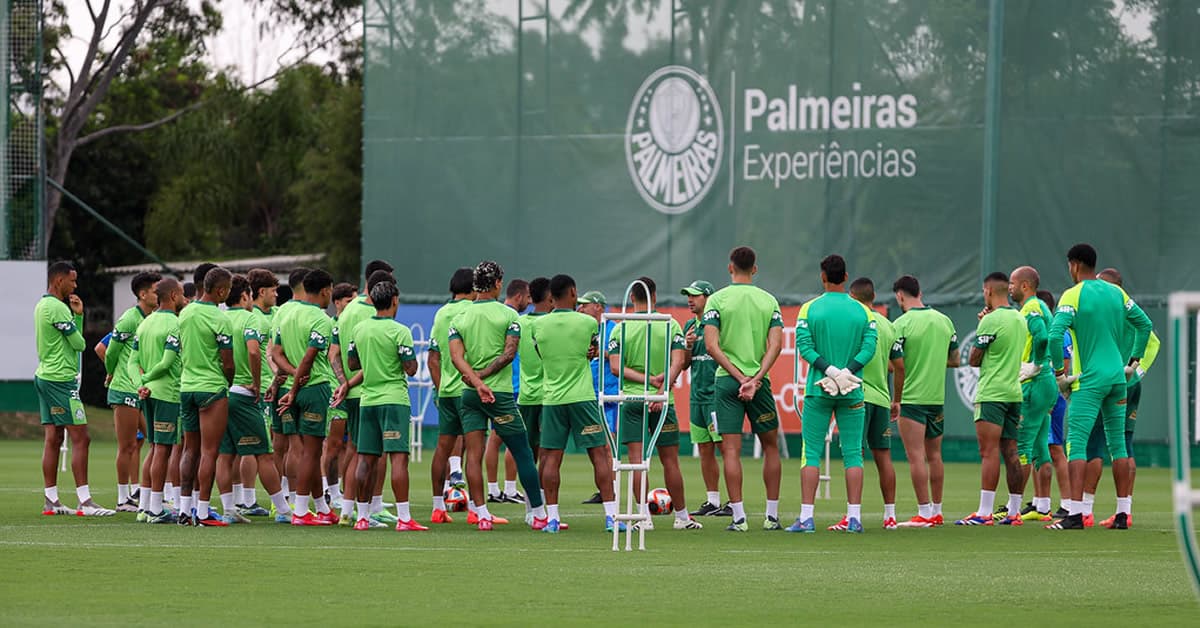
x,y
113,571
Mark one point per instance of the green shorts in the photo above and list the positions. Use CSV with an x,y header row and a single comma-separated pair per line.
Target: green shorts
x,y
190,405
581,421
164,416
877,427
1039,395
245,434
531,414
59,403
814,419
1006,414
632,417
704,423
277,426
932,416
732,411
309,411
352,418
503,415
1106,401
1133,397
450,416
122,398
383,429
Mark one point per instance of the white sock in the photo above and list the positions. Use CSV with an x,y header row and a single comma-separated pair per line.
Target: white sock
x,y
552,511
301,505
122,493
156,498
471,507
83,493
681,515
854,511
644,508
610,509
402,512
281,504
237,493
249,497
889,511
144,499
482,512
1014,504
227,504
283,485
1041,504
773,508
493,489
1089,502
335,492
439,502
925,510
510,487
455,464
324,484
195,496
937,509
1075,507
377,504
739,511
713,497
540,511
168,490
806,512
292,496
177,495
987,500
51,494
322,505
202,511
347,506
364,508
185,505
1125,505
1064,503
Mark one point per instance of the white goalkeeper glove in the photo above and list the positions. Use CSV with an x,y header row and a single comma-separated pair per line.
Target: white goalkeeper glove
x,y
1132,369
1065,381
845,380
1029,370
827,384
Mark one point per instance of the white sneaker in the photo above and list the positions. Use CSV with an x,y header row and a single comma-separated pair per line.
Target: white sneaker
x,y
94,511
687,524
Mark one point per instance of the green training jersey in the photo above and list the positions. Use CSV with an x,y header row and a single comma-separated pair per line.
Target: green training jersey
x,y
246,326
204,331
155,362
439,339
562,340
263,320
59,340
834,330
875,373
630,338
1096,312
1001,336
531,363
1037,337
703,370
382,347
742,314
356,312
278,316
307,326
116,358
925,338
483,329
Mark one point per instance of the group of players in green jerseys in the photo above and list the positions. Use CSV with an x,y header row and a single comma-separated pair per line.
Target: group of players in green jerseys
x,y
309,404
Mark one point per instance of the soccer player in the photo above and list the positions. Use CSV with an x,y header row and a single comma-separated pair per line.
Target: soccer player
x,y
381,350
450,388
246,434
593,304
122,398
831,330
333,456
704,426
263,287
281,432
1039,393
483,341
565,340
1096,312
1057,441
59,334
516,297
174,466
207,353
999,343
743,332
155,367
928,345
302,351
877,423
531,391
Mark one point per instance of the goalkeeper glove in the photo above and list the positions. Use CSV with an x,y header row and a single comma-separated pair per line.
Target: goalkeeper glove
x,y
827,384
1065,381
1029,370
845,380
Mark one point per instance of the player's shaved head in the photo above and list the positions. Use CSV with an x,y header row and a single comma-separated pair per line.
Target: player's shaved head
x,y
166,287
215,279
59,269
1027,274
863,290
1111,275
996,277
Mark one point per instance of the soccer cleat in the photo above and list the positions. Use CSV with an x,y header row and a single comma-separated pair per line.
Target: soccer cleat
x,y
166,516
496,499
647,525
1000,513
705,510
457,481
410,526
142,517
771,523
976,519
805,527
485,525
725,511
609,522
473,519
917,522
184,520
1036,516
329,518
551,527
56,508
211,521
840,526
362,525
854,526
254,510
691,524
594,499
346,521
1061,513
890,524
385,517
1070,522
129,506
538,524
1089,520
284,519
515,498
440,516
234,517
937,520
308,519
1119,521
92,510
1014,520
738,526
375,525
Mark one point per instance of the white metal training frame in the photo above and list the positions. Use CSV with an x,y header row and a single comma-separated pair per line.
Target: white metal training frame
x,y
1181,310
420,388
633,513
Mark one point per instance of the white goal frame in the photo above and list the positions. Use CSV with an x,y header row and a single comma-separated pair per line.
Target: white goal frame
x,y
1182,310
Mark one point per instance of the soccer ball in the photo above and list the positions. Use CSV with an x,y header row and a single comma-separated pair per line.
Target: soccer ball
x,y
659,501
456,499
